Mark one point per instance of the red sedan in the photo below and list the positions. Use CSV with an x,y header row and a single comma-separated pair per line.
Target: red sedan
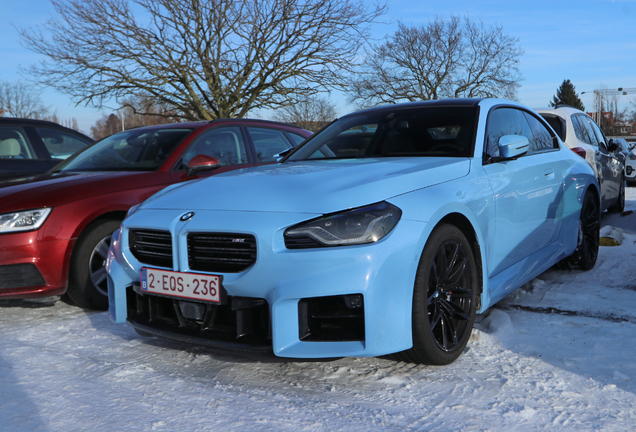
x,y
55,229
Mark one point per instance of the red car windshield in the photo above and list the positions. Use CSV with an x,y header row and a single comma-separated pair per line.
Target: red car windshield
x,y
135,150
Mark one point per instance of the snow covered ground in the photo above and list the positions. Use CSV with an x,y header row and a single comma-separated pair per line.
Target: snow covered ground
x,y
559,354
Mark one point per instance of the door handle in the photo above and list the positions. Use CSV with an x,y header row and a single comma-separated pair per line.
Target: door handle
x,y
549,174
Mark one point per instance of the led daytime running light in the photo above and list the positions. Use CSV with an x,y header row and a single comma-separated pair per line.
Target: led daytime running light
x,y
329,239
357,226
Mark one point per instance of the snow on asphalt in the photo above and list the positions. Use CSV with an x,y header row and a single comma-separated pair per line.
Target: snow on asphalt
x,y
558,354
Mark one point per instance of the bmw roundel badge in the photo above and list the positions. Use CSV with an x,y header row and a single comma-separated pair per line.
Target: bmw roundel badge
x,y
186,216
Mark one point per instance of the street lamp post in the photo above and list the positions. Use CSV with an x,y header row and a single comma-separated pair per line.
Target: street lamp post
x,y
122,115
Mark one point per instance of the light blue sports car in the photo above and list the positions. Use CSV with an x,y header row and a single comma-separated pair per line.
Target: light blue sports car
x,y
384,233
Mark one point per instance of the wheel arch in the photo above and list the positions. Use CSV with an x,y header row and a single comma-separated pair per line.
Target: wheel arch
x,y
466,227
76,290
592,188
114,215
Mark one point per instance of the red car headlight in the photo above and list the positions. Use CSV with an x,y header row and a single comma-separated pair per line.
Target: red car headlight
x,y
26,220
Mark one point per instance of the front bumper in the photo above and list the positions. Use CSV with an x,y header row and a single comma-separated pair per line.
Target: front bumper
x,y
31,268
382,273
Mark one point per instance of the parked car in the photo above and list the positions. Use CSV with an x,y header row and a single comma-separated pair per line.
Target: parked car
x,y
55,229
29,147
386,232
630,168
583,136
623,146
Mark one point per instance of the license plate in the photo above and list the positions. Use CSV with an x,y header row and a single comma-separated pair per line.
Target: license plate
x,y
184,285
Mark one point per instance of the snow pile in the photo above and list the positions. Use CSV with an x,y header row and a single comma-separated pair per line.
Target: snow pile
x,y
616,235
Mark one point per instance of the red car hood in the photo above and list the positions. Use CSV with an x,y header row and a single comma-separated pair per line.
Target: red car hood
x,y
50,190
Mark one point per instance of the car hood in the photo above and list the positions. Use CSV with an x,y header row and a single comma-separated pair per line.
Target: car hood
x,y
310,186
49,190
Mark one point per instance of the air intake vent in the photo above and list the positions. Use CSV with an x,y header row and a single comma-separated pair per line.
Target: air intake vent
x,y
301,243
151,247
221,252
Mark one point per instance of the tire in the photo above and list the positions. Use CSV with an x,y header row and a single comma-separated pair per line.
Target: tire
x,y
620,204
87,279
444,299
586,252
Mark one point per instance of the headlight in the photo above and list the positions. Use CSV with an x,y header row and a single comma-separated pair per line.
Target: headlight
x,y
351,227
23,221
632,156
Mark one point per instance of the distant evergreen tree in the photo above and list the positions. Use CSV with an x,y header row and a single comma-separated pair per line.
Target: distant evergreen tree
x,y
566,95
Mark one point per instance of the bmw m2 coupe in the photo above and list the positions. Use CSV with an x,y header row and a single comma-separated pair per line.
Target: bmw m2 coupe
x,y
386,232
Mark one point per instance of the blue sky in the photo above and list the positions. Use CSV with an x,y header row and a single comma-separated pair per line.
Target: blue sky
x,y
590,42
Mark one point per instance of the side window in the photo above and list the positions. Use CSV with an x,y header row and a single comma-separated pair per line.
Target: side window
x,y
60,144
267,143
597,130
296,137
590,131
14,144
579,129
224,143
543,139
506,121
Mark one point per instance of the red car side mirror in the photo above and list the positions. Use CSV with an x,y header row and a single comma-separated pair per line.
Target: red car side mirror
x,y
201,163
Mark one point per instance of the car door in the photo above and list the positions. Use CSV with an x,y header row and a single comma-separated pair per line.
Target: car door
x,y
610,165
525,190
18,155
601,160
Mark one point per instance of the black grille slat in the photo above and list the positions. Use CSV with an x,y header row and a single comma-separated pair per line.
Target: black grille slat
x,y
221,252
20,275
240,322
151,247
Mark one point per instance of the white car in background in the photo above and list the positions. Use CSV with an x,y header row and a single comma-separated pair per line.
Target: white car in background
x,y
583,136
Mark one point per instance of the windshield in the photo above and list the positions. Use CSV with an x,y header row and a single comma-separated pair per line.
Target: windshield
x,y
134,150
398,132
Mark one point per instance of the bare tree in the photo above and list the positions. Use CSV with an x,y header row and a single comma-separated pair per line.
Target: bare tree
x,y
135,111
443,59
205,58
106,126
69,123
144,110
18,99
311,113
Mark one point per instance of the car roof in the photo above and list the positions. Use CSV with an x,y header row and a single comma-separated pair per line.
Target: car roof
x,y
37,123
33,122
560,110
201,123
430,103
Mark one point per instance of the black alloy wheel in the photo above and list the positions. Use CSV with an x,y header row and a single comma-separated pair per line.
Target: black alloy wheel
x,y
444,299
589,229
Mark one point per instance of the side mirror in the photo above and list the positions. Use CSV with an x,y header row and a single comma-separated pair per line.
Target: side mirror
x,y
612,145
513,146
201,163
